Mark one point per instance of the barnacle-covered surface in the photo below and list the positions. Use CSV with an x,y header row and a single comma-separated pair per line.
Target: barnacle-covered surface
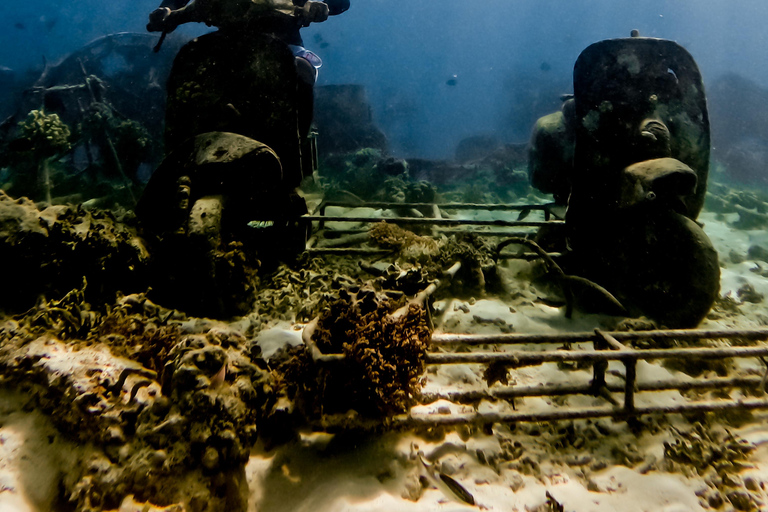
x,y
162,408
383,354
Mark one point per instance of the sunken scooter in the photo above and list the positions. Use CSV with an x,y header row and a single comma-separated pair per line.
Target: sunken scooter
x,y
629,156
238,119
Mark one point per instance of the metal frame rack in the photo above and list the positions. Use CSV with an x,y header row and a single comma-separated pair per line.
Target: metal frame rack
x,y
606,346
320,244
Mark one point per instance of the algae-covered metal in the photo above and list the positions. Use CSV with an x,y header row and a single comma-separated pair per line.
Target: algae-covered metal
x,y
629,155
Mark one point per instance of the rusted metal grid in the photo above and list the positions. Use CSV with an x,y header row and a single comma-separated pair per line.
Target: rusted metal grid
x,y
322,243
606,347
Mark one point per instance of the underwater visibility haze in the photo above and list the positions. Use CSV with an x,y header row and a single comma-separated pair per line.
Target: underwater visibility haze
x,y
374,255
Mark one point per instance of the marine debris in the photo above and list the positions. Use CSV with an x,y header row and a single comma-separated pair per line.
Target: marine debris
x,y
751,205
108,97
634,185
41,139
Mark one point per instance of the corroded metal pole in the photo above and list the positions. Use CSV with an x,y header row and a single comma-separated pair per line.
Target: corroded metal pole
x,y
517,338
433,222
551,356
508,392
338,423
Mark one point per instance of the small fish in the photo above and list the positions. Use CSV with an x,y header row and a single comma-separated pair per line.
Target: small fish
x,y
450,487
318,38
19,25
452,81
324,45
545,66
523,214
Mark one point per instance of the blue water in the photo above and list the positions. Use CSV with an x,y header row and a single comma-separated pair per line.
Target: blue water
x,y
506,60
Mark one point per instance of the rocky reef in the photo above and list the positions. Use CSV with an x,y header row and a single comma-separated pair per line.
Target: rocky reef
x,y
370,174
162,408
51,249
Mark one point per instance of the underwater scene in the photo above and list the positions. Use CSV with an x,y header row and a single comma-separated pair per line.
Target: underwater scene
x,y
383,255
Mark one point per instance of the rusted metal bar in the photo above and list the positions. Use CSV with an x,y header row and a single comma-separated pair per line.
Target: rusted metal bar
x,y
527,256
551,356
345,423
449,274
343,241
598,366
444,206
446,231
516,338
577,413
348,250
630,365
509,338
610,340
629,385
432,222
421,297
508,392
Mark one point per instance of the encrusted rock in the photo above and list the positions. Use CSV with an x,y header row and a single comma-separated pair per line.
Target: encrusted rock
x,y
175,443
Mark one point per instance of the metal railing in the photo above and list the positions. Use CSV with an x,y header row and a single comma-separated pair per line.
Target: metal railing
x,y
343,239
606,347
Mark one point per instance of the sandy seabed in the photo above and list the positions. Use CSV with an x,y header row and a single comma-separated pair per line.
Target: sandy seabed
x,y
582,466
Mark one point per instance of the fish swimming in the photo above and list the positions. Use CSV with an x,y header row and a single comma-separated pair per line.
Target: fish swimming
x,y
450,487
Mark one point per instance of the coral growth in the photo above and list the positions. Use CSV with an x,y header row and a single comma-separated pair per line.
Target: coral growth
x,y
719,457
391,236
44,133
126,142
39,140
750,205
163,410
51,250
383,358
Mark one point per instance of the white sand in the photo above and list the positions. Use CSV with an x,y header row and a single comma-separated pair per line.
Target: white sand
x,y
380,474
33,456
322,473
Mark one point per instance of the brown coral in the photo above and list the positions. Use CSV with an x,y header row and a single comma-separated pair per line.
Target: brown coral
x,y
384,354
390,236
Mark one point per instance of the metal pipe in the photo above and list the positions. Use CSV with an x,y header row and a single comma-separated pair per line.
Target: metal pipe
x,y
629,385
549,356
345,423
610,340
596,412
343,241
444,206
348,250
507,392
447,231
516,338
433,222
